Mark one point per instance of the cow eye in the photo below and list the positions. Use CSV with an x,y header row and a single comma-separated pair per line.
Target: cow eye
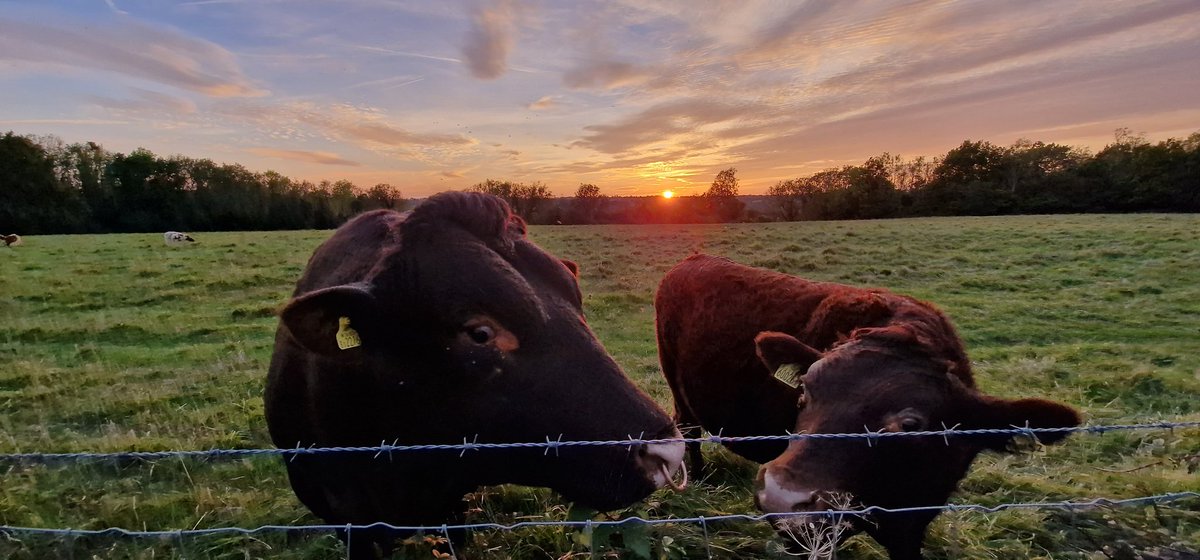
x,y
911,424
481,334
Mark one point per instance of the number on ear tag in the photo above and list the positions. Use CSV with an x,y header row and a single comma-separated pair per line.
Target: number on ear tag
x,y
789,374
347,337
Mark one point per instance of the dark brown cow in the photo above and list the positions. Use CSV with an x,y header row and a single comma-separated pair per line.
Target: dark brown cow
x,y
865,359
438,325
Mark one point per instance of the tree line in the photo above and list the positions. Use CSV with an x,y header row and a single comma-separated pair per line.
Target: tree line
x,y
981,178
976,178
47,186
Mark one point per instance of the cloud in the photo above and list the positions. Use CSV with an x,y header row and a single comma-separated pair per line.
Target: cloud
x,y
160,55
364,126
489,39
452,174
789,32
218,2
543,103
324,158
148,101
662,122
393,52
388,83
113,6
613,74
97,122
1005,42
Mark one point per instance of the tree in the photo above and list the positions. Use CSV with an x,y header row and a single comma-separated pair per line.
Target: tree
x,y
32,199
527,199
871,193
724,185
502,189
523,199
383,195
587,205
908,175
722,196
789,196
967,180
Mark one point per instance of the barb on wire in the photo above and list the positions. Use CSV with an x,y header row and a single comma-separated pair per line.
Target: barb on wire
x,y
1067,505
556,444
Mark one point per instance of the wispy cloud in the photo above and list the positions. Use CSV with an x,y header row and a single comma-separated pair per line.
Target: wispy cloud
x,y
324,158
113,6
489,39
663,122
88,122
612,74
393,52
158,54
543,103
218,2
363,126
148,100
388,83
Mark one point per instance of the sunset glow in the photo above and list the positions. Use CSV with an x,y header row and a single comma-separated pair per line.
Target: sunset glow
x,y
668,194
632,97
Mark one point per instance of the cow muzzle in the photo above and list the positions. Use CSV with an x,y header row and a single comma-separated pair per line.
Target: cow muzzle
x,y
778,492
814,529
661,461
774,495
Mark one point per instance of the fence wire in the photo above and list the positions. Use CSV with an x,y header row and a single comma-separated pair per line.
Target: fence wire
x,y
870,437
1066,505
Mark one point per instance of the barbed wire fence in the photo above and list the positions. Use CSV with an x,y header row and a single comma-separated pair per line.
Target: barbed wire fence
x,y
387,450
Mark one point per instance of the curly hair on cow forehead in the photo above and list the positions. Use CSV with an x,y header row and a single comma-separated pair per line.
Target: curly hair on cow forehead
x,y
485,216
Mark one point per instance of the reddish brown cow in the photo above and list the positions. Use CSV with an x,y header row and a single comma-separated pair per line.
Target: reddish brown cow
x,y
865,359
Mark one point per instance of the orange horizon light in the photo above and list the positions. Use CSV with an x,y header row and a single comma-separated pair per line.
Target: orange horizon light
x,y
668,194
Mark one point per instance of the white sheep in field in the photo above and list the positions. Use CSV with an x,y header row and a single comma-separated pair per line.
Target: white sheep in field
x,y
175,238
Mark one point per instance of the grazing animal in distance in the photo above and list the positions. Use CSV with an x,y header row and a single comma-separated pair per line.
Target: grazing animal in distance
x,y
11,240
176,238
845,360
443,325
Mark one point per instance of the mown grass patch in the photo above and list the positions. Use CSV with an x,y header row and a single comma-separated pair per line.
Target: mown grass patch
x,y
116,342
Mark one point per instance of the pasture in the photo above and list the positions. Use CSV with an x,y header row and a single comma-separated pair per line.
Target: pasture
x,y
116,342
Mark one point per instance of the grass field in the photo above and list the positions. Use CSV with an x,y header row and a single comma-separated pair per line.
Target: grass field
x,y
116,342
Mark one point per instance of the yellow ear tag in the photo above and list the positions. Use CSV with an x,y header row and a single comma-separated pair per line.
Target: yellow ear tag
x,y
789,374
347,337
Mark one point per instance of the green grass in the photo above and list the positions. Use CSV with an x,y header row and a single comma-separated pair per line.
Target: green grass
x,y
116,342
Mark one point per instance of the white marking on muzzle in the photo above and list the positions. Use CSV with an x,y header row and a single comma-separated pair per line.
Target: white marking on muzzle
x,y
661,460
776,498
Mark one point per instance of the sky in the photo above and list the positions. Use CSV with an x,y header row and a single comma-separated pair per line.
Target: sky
x,y
635,97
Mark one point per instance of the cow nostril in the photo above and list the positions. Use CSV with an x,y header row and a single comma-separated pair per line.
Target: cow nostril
x,y
660,461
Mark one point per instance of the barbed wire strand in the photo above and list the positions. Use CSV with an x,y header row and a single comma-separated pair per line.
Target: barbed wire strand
x,y
705,520
872,438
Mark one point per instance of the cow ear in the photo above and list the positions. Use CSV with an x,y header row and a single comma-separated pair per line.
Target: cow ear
x,y
334,320
1019,413
572,266
777,349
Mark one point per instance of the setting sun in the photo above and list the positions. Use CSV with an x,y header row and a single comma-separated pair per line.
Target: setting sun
x,y
668,194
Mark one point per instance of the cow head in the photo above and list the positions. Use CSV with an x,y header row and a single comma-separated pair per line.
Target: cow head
x,y
890,380
466,329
